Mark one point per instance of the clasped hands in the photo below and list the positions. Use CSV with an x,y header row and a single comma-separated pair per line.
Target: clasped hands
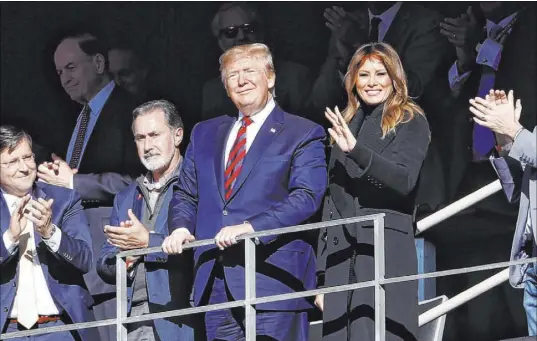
x,y
39,212
173,244
56,172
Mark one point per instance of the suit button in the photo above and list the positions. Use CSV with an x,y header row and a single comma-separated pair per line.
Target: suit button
x,y
336,241
224,212
331,214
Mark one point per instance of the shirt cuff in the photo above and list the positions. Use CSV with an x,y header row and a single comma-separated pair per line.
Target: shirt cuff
x,y
490,54
455,79
10,245
54,241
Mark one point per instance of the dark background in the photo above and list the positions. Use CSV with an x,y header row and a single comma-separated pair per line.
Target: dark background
x,y
178,44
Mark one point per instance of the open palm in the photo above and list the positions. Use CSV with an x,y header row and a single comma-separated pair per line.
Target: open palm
x,y
340,131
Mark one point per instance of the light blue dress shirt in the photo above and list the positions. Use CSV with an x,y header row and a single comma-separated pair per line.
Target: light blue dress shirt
x,y
96,105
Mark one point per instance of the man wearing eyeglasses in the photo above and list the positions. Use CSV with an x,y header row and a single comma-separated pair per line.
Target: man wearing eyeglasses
x,y
238,24
45,248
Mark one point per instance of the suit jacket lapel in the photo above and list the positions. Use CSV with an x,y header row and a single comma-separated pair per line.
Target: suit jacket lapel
x,y
5,215
271,128
221,137
398,26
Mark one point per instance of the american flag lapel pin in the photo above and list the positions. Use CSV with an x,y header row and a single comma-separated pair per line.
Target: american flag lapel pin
x,y
272,130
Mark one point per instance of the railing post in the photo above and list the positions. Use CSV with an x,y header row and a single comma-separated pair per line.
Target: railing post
x,y
249,295
121,298
380,294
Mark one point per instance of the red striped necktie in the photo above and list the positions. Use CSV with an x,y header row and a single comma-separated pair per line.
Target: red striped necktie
x,y
236,157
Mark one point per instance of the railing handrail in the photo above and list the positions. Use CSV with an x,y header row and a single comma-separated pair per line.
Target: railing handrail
x,y
267,233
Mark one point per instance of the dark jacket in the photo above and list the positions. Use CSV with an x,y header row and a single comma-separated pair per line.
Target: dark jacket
x,y
378,176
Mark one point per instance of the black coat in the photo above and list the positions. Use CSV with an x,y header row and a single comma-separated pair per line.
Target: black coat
x,y
377,176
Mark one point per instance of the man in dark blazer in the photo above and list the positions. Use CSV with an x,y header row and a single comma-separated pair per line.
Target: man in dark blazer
x,y
515,68
101,157
264,170
241,23
45,248
156,282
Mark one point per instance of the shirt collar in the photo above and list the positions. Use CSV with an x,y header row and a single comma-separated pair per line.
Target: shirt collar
x,y
98,101
260,117
388,15
11,201
503,23
149,183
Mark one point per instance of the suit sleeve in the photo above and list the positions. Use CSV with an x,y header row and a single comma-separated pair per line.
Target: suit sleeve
x,y
307,185
106,265
184,203
524,148
401,171
75,246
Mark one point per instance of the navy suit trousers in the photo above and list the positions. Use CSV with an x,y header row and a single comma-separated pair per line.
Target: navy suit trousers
x,y
228,325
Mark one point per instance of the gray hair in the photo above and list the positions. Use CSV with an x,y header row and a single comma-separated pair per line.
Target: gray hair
x,y
11,137
173,120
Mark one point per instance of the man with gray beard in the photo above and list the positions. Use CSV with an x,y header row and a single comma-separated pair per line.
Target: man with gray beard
x,y
139,220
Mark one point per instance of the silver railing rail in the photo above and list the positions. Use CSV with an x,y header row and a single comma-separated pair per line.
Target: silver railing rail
x,y
251,300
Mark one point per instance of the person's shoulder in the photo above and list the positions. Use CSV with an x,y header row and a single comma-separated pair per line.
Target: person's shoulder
x,y
298,123
417,121
419,13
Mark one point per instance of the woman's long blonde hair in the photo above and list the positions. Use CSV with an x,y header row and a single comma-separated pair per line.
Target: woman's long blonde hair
x,y
399,107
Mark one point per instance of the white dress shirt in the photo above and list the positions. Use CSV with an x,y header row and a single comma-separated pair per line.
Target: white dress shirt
x,y
45,303
252,130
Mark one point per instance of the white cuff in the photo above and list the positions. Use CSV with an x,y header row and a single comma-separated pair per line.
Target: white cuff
x,y
54,241
11,246
490,54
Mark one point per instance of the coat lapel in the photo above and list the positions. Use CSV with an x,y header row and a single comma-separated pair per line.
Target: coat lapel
x,y
5,215
398,27
221,137
160,223
269,130
371,132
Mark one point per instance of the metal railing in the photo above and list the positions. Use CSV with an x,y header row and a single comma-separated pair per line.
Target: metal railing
x,y
251,300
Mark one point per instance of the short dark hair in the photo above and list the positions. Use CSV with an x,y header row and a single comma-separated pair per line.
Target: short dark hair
x,y
11,137
171,114
89,42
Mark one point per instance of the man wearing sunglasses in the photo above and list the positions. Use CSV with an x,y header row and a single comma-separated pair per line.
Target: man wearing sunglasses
x,y
238,24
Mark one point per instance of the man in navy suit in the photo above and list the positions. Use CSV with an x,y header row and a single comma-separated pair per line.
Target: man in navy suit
x,y
139,220
45,248
262,170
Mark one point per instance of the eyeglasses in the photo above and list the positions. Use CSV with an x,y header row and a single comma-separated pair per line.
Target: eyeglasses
x,y
232,31
27,159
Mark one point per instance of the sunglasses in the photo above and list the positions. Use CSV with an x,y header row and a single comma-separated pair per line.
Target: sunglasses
x,y
232,31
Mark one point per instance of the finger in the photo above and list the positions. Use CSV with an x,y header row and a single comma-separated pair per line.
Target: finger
x,y
511,97
47,177
333,134
23,203
452,28
34,211
497,97
518,110
44,169
478,114
42,205
116,230
37,222
340,118
74,170
340,11
331,27
471,15
177,245
331,117
483,104
56,157
165,245
481,123
133,217
330,17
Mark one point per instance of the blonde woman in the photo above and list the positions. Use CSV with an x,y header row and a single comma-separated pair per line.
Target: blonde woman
x,y
379,142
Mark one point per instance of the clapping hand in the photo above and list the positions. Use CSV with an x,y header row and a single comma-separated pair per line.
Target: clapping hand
x,y
56,172
498,112
340,132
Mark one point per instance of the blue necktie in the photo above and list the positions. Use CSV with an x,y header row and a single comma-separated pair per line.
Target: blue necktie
x,y
483,138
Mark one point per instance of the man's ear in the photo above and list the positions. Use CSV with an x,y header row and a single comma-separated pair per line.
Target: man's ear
x,y
271,79
100,63
178,136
